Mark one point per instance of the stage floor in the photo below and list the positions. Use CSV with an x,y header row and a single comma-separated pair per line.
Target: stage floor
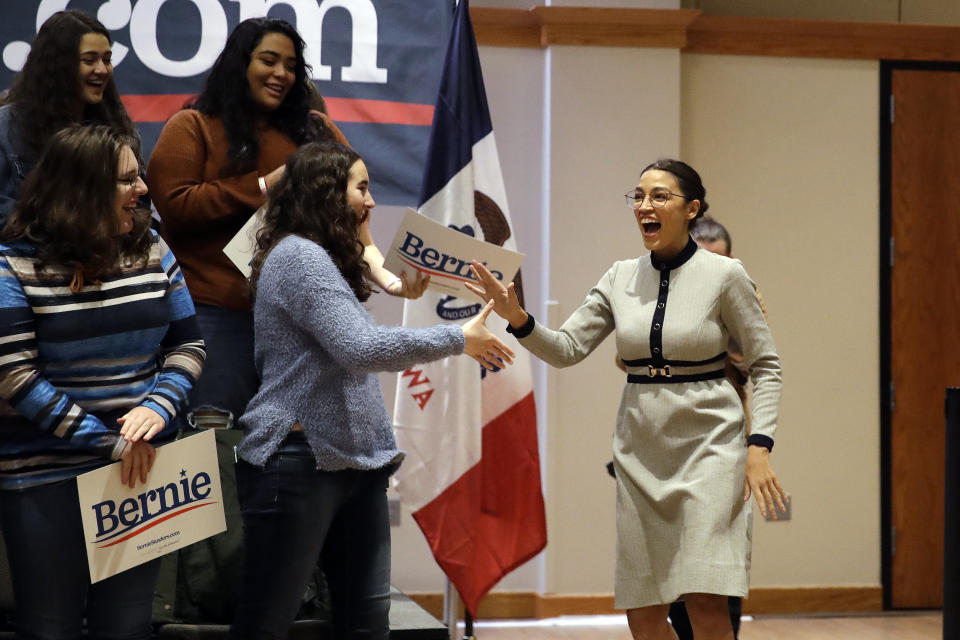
x,y
923,625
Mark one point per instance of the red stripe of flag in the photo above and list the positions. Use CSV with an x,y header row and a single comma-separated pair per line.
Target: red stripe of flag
x,y
159,108
491,519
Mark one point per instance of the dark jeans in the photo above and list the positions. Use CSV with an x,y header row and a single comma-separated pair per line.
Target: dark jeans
x,y
229,377
294,514
51,580
681,621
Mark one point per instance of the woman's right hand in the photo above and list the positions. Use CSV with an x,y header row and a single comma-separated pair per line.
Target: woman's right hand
x,y
484,347
504,299
136,461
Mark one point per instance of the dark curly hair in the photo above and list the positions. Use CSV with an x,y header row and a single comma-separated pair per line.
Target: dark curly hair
x,y
226,95
45,95
310,200
67,206
687,179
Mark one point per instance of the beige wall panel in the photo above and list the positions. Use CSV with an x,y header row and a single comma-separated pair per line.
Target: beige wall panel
x,y
612,111
862,10
930,11
790,162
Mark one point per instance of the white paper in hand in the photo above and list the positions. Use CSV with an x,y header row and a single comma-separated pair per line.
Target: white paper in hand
x,y
241,247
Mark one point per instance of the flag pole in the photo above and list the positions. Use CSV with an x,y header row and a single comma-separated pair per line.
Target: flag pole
x,y
468,626
451,606
451,602
495,472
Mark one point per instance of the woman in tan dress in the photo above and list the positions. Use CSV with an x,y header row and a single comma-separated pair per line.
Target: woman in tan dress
x,y
685,467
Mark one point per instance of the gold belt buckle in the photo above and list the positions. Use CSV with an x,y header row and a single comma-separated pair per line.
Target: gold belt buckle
x,y
653,372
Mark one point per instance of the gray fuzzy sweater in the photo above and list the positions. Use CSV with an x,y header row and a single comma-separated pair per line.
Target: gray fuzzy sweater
x,y
317,351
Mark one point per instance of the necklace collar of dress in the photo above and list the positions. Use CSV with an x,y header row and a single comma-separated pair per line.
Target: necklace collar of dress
x,y
676,261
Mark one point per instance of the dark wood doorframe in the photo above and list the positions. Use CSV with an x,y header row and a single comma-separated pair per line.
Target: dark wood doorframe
x,y
887,68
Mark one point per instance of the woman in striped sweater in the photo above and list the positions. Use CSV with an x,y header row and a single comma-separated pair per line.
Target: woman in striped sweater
x,y
100,347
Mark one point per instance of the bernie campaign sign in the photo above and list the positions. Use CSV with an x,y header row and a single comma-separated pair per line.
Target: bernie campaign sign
x,y
376,62
181,503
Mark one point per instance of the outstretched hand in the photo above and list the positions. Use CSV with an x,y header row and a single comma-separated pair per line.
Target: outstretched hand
x,y
504,299
484,347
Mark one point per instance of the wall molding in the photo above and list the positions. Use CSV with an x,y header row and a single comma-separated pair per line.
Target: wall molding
x,y
762,600
692,32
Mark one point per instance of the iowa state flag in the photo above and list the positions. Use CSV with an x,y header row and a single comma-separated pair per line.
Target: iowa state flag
x,y
472,472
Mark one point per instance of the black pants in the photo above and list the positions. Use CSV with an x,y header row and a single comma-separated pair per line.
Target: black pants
x,y
681,621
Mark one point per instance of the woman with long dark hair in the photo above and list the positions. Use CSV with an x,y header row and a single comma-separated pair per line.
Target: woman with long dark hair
x,y
685,466
67,79
101,347
319,447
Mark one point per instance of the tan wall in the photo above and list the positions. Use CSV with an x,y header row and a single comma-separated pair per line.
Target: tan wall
x,y
788,149
608,116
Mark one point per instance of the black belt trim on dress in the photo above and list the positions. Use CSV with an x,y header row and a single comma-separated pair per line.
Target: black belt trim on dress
x,y
667,376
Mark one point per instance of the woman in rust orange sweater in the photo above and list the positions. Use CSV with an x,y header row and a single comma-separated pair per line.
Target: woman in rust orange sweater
x,y
210,171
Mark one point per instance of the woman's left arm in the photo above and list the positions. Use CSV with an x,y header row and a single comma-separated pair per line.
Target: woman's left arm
x,y
182,353
741,312
301,278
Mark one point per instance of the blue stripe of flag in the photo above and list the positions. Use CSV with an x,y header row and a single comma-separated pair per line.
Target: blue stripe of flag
x,y
461,117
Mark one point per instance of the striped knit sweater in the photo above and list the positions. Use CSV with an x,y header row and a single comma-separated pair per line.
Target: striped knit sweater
x,y
72,363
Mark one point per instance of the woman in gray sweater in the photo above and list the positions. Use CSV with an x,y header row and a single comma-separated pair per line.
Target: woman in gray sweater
x,y
319,446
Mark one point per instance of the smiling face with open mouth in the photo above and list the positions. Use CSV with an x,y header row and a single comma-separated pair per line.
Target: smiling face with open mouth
x,y
130,186
272,71
96,67
664,215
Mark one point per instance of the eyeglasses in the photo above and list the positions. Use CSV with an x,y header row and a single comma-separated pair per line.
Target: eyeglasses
x,y
128,182
658,199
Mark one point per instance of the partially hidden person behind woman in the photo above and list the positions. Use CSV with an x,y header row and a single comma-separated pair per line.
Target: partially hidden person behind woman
x,y
67,79
319,447
685,467
101,347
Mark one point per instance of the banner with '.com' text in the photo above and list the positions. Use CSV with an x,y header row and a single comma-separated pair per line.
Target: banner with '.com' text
x,y
376,62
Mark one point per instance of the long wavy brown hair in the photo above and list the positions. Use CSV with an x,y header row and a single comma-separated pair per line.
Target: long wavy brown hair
x,y
67,205
310,200
46,94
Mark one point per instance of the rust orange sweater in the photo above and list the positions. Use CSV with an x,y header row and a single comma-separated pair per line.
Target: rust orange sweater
x,y
202,209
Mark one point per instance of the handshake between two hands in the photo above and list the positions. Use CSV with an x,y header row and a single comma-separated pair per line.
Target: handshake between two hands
x,y
482,345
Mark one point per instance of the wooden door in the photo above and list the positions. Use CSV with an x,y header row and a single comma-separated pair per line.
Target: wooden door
x,y
924,322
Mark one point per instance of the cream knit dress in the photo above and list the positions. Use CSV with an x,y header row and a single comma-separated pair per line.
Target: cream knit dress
x,y
680,445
